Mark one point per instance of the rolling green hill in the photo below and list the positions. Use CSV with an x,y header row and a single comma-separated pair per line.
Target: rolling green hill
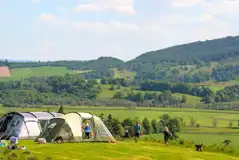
x,y
202,61
199,64
210,50
95,64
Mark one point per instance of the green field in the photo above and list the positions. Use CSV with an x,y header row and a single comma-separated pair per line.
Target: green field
x,y
202,117
118,151
206,139
19,73
217,86
145,149
124,74
107,93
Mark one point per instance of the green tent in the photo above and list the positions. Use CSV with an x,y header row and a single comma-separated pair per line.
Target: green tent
x,y
69,128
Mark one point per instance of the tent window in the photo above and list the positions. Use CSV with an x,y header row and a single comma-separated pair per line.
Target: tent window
x,y
15,122
52,125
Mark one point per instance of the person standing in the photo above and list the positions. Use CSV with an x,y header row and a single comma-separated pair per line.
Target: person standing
x,y
137,131
87,130
167,134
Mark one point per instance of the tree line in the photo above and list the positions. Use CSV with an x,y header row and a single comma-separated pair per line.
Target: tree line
x,y
115,81
52,90
75,90
154,126
153,99
207,51
101,63
98,74
200,91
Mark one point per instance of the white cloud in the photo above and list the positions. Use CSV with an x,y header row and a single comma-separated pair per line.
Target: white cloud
x,y
92,26
185,3
222,7
121,6
117,27
213,29
35,1
51,19
105,26
124,26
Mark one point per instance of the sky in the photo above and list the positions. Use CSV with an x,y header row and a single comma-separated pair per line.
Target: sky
x,y
87,29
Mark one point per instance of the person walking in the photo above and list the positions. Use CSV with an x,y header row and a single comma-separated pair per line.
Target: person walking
x,y
167,134
137,131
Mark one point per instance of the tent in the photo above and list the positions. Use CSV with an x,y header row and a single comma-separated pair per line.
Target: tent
x,y
69,129
25,125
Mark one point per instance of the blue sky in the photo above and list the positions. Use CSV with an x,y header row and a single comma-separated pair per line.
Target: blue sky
x,y
88,29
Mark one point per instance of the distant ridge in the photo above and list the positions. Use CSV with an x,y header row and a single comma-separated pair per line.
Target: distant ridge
x,y
12,60
207,50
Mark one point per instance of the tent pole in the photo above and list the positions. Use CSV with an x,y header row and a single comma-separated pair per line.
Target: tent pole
x,y
27,129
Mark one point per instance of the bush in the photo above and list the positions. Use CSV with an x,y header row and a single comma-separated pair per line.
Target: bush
x,y
230,124
192,122
227,142
214,123
147,126
198,125
175,124
181,141
155,126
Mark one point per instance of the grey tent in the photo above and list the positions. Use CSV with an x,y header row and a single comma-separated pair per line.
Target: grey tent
x,y
25,125
69,129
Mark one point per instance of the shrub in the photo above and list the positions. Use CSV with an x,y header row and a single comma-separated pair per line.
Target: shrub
x,y
192,122
230,124
198,125
227,142
214,123
147,126
12,156
155,126
181,141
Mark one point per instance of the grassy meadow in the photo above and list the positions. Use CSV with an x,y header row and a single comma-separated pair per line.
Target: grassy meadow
x,y
124,74
21,73
145,149
118,151
202,117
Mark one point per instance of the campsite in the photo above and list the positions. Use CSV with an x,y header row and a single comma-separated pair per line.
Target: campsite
x,y
149,147
119,80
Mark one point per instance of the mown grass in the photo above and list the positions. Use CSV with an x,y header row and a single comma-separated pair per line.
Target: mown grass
x,y
209,139
205,138
118,151
144,149
20,73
